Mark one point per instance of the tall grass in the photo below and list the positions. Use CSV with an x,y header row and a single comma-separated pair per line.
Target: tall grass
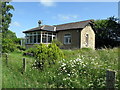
x,y
84,68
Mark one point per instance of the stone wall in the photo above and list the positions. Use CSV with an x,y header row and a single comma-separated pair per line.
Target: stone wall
x,y
75,40
91,38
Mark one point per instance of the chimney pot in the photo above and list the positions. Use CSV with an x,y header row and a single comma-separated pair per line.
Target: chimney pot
x,y
39,23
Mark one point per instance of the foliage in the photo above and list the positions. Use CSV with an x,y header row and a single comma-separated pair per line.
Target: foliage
x,y
29,52
10,42
86,49
41,55
10,34
8,45
9,38
47,55
6,16
80,69
106,31
54,53
21,47
58,43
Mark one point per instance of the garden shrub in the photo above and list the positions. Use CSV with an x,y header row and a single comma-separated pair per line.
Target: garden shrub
x,y
58,43
47,55
54,53
40,55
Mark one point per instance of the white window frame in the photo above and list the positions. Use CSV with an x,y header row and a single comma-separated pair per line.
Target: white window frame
x,y
32,34
67,36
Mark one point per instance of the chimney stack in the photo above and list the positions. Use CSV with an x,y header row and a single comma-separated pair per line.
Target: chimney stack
x,y
39,23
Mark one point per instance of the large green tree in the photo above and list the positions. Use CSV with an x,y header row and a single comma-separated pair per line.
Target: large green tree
x,y
5,16
9,39
107,32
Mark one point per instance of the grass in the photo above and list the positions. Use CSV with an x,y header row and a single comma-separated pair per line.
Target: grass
x,y
84,68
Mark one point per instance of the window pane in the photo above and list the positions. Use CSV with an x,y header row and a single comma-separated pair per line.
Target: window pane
x,y
49,39
30,34
27,39
54,38
54,34
67,38
34,39
49,33
30,39
39,38
44,38
67,35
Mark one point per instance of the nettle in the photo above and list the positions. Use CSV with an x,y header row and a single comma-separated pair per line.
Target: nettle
x,y
47,55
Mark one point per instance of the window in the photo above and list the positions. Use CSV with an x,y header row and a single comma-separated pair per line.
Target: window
x,y
87,38
31,39
44,38
49,39
67,39
40,37
27,39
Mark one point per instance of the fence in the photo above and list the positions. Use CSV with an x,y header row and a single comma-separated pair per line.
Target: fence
x,y
110,75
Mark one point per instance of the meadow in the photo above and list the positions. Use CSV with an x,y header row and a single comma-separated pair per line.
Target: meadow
x,y
83,68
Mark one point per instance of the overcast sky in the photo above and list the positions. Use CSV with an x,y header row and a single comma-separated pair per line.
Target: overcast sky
x,y
27,14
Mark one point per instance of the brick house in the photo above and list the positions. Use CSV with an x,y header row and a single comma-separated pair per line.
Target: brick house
x,y
71,35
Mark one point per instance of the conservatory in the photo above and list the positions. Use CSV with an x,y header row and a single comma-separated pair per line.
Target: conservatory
x,y
39,37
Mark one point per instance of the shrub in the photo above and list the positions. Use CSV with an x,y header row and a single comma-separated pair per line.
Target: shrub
x,y
54,53
21,47
8,45
40,55
47,55
30,52
58,43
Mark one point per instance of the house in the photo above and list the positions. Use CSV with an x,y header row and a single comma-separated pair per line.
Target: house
x,y
71,35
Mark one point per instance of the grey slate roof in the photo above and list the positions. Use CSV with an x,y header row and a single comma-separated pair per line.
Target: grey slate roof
x,y
74,25
43,28
67,26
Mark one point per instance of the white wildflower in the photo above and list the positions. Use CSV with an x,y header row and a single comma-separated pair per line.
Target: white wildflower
x,y
68,74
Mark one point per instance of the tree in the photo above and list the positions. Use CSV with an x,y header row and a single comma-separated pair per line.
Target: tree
x,y
6,17
106,31
8,37
11,35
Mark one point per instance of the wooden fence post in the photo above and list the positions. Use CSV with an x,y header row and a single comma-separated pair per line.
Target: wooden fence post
x,y
24,65
110,80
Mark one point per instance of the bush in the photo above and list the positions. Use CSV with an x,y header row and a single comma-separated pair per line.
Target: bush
x,y
40,55
8,45
54,53
47,55
58,43
30,52
21,47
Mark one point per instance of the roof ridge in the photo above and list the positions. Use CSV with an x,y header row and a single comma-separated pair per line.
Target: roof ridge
x,y
74,22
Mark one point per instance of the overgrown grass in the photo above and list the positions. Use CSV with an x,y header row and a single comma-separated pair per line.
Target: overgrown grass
x,y
84,68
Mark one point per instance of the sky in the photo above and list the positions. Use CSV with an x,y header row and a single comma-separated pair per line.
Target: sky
x,y
27,14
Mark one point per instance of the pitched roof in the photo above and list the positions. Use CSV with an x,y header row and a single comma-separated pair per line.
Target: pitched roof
x,y
67,26
74,25
42,28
